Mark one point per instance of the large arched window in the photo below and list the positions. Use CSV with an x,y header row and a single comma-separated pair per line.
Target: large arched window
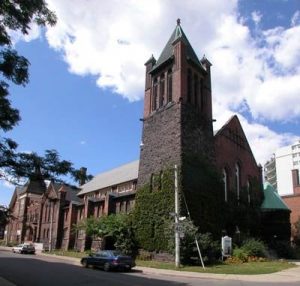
x,y
249,192
225,181
151,182
154,97
196,90
170,83
162,90
202,99
238,180
189,85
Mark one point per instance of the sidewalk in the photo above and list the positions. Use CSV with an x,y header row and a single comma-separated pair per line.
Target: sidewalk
x,y
288,275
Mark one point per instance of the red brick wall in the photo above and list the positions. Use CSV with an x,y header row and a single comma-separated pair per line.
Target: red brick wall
x,y
231,149
293,202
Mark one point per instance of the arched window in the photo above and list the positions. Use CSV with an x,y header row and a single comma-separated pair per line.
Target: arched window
x,y
162,90
170,83
161,176
196,90
237,180
154,98
249,191
189,85
151,182
225,181
202,100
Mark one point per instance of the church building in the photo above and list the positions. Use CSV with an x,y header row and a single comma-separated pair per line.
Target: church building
x,y
219,180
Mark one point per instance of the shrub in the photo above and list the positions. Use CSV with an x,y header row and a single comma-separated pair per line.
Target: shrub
x,y
210,249
284,249
254,247
144,255
240,254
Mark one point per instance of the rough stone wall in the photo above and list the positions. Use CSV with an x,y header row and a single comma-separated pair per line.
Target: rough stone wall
x,y
197,135
161,142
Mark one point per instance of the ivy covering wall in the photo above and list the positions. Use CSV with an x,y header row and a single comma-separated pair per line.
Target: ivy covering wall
x,y
201,191
151,215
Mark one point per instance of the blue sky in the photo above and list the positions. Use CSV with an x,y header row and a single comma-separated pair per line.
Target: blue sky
x,y
85,95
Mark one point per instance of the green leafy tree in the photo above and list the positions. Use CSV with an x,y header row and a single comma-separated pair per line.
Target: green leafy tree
x,y
4,215
17,16
116,226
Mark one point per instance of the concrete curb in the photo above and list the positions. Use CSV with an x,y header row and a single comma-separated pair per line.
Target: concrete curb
x,y
288,275
4,282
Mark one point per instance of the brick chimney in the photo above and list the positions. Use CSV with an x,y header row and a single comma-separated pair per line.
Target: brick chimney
x,y
296,184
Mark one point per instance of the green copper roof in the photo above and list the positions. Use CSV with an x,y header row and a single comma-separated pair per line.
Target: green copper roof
x,y
272,200
168,50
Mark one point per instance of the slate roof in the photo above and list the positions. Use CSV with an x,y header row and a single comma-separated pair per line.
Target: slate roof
x,y
113,177
168,51
71,191
272,200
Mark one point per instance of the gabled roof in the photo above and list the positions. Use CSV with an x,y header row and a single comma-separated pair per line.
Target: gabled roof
x,y
71,192
168,51
122,174
272,200
234,124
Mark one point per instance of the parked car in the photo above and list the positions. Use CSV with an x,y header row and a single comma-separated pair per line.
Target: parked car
x,y
109,260
24,248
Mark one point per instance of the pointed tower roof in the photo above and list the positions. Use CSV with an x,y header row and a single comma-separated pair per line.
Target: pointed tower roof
x,y
272,200
168,51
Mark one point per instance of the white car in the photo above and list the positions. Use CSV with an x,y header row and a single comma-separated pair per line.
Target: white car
x,y
24,248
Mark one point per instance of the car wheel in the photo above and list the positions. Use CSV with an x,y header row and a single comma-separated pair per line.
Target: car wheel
x,y
85,263
106,267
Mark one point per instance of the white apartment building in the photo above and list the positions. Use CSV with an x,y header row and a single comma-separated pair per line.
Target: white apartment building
x,y
278,170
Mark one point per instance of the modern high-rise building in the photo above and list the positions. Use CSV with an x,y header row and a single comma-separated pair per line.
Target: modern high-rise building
x,y
282,172
282,167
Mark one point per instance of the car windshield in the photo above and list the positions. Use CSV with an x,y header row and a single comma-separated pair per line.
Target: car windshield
x,y
116,253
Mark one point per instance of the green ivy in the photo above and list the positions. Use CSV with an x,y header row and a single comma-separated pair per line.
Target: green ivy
x,y
201,191
151,215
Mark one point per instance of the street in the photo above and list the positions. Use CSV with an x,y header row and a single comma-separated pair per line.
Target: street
x,y
33,270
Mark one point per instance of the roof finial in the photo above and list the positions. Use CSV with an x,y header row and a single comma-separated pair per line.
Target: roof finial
x,y
178,21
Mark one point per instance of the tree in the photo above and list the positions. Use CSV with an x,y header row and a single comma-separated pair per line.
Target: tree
x,y
18,15
15,15
4,215
116,226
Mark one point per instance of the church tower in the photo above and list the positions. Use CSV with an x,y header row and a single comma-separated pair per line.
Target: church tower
x,y
177,121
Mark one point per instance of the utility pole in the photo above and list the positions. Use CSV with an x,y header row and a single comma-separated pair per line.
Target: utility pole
x,y
177,238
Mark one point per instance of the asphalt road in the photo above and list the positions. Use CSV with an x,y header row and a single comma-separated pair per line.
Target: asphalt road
x,y
35,270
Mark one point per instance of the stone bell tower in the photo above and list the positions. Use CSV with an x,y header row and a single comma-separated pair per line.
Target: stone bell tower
x,y
177,119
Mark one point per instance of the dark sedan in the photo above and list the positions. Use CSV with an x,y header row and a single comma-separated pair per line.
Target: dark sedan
x,y
108,260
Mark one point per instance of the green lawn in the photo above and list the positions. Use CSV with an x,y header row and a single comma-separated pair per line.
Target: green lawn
x,y
244,268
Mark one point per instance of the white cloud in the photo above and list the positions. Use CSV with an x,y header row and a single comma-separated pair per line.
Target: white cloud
x,y
295,19
33,33
256,17
260,73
